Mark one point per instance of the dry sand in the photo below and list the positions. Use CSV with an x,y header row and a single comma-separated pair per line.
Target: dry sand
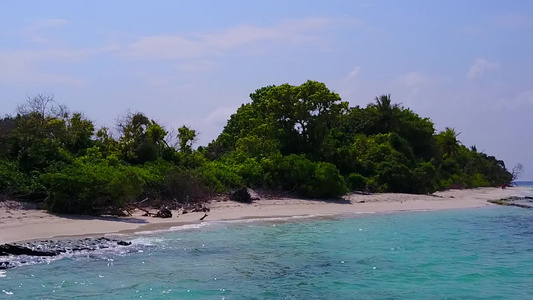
x,y
18,224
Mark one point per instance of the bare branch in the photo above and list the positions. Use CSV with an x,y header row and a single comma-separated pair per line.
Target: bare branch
x,y
518,169
45,106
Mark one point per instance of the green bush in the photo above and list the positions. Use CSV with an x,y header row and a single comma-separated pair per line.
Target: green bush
x,y
397,176
219,177
288,173
372,184
93,187
356,182
327,182
425,178
12,181
478,180
251,172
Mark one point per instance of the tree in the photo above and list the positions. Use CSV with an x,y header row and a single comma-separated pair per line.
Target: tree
x,y
418,132
299,118
385,113
142,139
79,134
517,171
448,143
186,137
43,105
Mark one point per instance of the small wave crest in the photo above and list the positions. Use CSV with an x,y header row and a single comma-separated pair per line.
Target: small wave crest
x,y
26,260
150,237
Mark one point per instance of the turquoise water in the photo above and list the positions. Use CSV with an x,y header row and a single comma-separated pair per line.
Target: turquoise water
x,y
484,253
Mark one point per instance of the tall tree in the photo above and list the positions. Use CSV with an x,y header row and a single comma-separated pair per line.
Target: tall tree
x,y
186,137
385,112
299,117
448,143
142,139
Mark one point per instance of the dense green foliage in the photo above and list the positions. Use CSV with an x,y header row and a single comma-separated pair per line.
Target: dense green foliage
x,y
298,139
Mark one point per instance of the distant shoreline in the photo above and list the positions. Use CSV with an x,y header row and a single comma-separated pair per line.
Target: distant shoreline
x,y
23,225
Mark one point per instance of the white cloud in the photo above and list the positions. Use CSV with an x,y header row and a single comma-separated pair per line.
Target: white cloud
x,y
522,100
474,30
164,47
413,80
220,115
201,65
412,83
513,20
20,67
354,73
480,67
21,73
294,32
47,23
34,31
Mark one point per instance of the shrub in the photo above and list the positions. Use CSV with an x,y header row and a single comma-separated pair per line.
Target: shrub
x,y
397,176
92,188
183,186
327,182
372,184
288,173
356,182
251,172
478,180
12,181
219,177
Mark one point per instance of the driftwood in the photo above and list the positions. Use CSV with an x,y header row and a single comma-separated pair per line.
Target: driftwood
x,y
165,212
146,212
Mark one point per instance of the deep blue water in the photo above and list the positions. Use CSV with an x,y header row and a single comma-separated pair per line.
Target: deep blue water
x,y
524,183
484,253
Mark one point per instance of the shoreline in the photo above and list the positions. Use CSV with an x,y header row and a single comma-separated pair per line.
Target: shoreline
x,y
18,225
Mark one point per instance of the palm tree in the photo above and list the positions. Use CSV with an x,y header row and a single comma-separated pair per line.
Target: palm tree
x,y
448,143
385,113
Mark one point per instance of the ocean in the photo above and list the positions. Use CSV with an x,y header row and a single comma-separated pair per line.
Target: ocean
x,y
483,253
525,183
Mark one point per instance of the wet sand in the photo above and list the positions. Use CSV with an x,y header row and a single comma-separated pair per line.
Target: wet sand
x,y
19,224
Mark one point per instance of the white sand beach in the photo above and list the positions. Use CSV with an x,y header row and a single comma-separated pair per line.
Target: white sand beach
x,y
17,224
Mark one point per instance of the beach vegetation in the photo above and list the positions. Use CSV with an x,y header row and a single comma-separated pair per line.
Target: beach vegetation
x,y
301,140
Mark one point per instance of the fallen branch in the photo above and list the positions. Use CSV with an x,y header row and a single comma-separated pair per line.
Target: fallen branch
x,y
147,213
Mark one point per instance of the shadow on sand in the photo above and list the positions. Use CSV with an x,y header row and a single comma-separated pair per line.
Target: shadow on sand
x,y
132,220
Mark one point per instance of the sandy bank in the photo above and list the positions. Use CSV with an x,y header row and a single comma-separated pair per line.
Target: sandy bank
x,y
29,224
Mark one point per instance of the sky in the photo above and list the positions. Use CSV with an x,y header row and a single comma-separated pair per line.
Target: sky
x,y
467,65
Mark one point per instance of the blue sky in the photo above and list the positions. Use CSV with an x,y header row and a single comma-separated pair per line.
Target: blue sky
x,y
464,64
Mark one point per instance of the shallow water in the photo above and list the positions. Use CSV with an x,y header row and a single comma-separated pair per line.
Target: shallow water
x,y
484,253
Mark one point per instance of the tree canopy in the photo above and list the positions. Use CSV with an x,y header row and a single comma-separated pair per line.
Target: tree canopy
x,y
296,139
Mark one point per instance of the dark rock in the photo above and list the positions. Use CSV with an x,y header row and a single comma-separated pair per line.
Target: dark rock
x,y
521,202
22,250
4,265
164,213
16,254
241,195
